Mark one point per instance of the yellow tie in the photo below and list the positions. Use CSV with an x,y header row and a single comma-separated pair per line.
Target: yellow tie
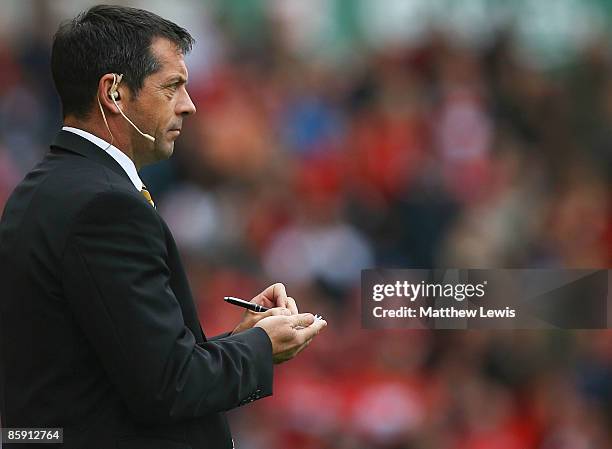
x,y
147,195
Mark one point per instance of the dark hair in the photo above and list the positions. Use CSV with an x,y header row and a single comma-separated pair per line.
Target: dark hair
x,y
107,39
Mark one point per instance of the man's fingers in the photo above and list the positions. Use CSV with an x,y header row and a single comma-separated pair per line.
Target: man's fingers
x,y
279,295
292,306
273,296
275,312
305,345
310,330
302,320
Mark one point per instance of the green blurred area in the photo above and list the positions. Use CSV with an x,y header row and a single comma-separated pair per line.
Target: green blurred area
x,y
549,31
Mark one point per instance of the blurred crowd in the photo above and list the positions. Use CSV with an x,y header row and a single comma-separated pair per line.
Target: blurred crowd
x,y
432,153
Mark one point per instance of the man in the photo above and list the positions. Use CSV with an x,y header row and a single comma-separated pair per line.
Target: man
x,y
99,333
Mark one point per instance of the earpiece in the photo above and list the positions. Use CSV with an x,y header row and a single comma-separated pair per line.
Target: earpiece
x,y
113,93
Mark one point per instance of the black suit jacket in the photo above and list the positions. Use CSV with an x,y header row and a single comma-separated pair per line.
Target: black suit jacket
x,y
98,329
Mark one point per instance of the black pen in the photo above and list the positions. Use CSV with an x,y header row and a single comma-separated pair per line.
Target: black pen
x,y
252,306
247,305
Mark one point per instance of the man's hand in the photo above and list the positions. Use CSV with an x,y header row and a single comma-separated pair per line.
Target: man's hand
x,y
275,298
290,334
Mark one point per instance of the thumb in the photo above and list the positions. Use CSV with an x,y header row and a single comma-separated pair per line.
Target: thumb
x,y
308,332
302,320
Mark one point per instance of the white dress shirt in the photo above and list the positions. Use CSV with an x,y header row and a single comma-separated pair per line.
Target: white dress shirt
x,y
118,155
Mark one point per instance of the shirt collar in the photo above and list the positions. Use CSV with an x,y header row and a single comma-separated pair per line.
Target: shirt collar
x,y
121,158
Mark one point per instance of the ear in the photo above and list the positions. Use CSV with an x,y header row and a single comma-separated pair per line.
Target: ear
x,y
107,86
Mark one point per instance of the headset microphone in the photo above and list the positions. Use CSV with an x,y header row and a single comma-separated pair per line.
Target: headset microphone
x,y
114,95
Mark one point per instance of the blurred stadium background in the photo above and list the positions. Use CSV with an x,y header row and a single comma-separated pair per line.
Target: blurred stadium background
x,y
335,135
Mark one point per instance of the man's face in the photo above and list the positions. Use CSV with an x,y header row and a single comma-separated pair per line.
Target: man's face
x,y
161,104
